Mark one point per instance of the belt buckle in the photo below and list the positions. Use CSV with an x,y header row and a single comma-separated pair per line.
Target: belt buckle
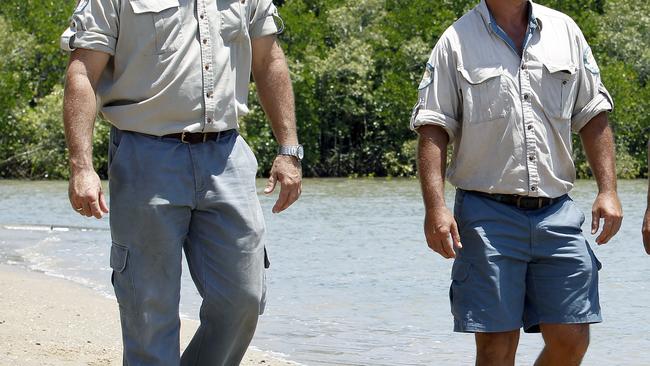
x,y
183,138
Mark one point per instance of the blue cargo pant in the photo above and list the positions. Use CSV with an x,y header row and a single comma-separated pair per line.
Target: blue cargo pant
x,y
166,197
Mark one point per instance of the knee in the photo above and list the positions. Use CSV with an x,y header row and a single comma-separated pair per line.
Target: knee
x,y
569,340
496,348
238,304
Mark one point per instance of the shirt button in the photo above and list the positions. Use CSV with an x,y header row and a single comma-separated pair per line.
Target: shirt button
x,y
533,188
205,41
531,158
207,67
530,127
201,16
564,82
208,94
209,120
525,96
523,67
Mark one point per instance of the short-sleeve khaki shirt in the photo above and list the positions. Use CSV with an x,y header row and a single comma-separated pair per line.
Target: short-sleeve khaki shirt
x,y
176,65
510,116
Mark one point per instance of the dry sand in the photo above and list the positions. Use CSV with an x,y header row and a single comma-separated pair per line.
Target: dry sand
x,y
47,321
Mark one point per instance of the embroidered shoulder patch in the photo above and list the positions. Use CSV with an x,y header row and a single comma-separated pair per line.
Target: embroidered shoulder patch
x,y
589,61
81,5
427,79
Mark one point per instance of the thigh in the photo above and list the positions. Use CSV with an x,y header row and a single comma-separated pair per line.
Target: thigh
x,y
488,277
149,218
225,242
563,275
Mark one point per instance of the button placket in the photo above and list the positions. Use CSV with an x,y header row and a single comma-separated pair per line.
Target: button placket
x,y
529,132
206,59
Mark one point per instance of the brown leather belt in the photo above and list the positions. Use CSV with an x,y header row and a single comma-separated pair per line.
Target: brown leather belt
x,y
521,202
198,137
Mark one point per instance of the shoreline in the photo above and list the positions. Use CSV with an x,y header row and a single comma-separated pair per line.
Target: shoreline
x,y
50,321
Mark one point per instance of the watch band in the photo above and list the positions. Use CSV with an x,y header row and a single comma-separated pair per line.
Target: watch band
x,y
291,150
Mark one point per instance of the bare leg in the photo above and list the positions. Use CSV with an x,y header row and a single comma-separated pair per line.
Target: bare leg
x,y
496,349
565,344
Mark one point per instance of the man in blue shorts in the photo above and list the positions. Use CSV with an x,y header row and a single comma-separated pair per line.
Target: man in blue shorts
x,y
507,84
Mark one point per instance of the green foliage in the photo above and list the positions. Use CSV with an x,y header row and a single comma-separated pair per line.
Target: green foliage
x,y
355,66
41,152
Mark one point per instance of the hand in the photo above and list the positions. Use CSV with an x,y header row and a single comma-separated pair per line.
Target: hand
x,y
607,207
85,193
439,225
646,230
286,169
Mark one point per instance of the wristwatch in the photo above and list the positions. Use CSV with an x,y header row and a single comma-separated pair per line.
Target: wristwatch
x,y
292,150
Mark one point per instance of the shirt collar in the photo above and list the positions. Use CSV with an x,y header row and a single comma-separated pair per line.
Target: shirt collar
x,y
533,20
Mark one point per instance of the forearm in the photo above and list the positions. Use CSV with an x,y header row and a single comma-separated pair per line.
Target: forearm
x,y
598,142
276,95
431,158
79,111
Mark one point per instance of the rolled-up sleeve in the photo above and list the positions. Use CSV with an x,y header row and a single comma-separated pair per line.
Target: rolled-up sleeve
x,y
592,96
438,100
263,21
94,25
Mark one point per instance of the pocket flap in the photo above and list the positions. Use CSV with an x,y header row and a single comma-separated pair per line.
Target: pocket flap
x,y
562,71
479,75
118,257
460,271
152,6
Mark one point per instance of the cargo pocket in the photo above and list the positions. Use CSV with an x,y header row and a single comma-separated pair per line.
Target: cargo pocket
x,y
484,94
459,274
267,264
120,278
233,15
558,90
594,260
160,19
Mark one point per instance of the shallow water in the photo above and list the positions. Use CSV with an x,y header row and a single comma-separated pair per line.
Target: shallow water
x,y
352,281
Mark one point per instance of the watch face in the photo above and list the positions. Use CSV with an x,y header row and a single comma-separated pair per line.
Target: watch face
x,y
301,152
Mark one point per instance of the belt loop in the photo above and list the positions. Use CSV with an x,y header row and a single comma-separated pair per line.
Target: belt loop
x,y
539,203
183,138
205,136
519,201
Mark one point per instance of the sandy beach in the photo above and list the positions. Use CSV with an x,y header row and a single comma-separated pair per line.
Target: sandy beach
x,y
47,321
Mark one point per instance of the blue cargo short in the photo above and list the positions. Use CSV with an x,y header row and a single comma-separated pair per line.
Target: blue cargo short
x,y
521,267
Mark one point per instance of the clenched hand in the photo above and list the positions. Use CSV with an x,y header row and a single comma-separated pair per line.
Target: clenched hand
x,y
85,193
607,207
441,231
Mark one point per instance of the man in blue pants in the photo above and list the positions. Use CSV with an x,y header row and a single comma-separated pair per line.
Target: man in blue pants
x,y
171,76
507,84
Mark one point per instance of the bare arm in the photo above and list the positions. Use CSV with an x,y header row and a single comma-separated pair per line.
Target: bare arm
x,y
598,143
439,223
646,218
79,111
271,76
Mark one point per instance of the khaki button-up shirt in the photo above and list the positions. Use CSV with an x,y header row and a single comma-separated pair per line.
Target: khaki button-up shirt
x,y
177,65
510,116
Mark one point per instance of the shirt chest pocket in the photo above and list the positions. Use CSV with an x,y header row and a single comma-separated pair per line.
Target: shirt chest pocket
x,y
484,94
158,22
234,19
559,89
